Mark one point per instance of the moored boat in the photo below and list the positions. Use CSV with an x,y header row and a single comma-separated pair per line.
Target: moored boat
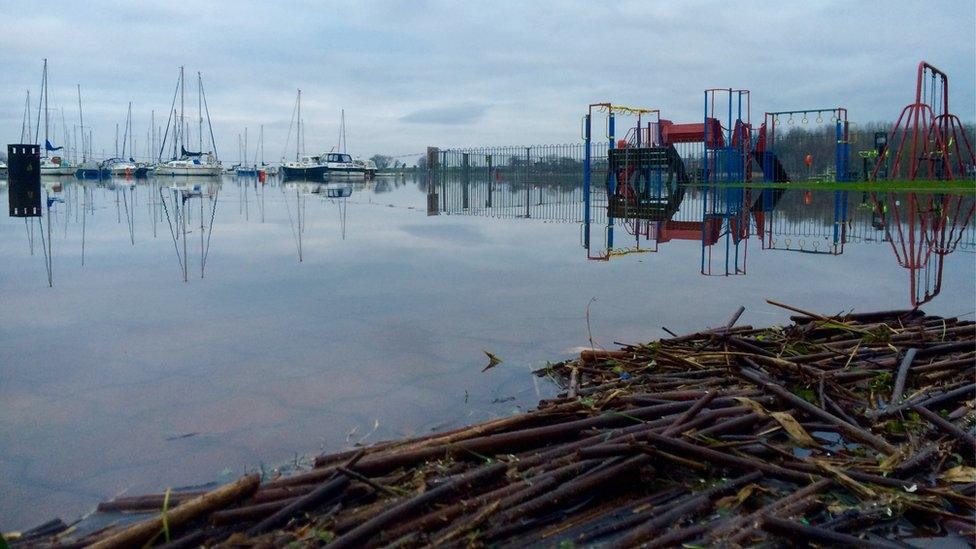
x,y
189,163
92,169
190,166
56,165
307,168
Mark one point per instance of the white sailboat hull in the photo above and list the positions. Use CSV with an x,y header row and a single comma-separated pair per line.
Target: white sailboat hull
x,y
57,170
198,170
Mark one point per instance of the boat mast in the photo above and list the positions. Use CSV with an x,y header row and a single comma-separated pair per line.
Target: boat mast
x,y
342,132
261,141
46,125
200,112
298,133
81,118
245,146
64,130
206,109
182,118
25,126
42,101
125,134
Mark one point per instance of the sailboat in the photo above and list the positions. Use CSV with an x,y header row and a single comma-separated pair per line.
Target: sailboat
x,y
89,167
120,167
268,169
307,168
244,169
342,165
184,162
50,165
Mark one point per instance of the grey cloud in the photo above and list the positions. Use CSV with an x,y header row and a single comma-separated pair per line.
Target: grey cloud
x,y
474,73
451,115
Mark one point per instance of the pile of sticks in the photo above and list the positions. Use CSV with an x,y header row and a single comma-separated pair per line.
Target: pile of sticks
x,y
850,430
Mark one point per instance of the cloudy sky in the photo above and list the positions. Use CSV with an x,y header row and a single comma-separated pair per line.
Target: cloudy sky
x,y
418,73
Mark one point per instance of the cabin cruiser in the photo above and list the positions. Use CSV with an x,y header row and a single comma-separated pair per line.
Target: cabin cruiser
x,y
307,168
342,165
325,167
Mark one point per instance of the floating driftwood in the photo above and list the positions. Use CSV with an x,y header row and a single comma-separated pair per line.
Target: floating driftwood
x,y
851,430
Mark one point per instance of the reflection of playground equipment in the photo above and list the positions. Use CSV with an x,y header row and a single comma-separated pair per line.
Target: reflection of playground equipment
x,y
926,229
777,231
725,222
725,211
639,170
766,153
646,179
929,134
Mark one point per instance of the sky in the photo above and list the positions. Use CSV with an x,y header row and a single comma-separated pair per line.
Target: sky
x,y
450,74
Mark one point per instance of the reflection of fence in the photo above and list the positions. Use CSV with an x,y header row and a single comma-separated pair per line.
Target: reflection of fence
x,y
539,181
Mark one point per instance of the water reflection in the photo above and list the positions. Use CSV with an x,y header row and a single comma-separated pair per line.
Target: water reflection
x,y
182,209
384,319
920,229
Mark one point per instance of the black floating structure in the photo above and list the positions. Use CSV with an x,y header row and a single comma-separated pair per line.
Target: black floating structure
x,y
24,180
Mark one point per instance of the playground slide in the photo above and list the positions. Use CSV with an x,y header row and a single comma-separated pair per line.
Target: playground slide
x,y
676,164
769,198
771,166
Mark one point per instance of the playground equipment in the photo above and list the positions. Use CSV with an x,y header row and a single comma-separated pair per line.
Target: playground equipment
x,y
636,166
727,147
646,178
727,150
929,135
771,160
926,229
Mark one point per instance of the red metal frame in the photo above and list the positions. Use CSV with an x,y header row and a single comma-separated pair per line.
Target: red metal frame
x,y
928,128
929,229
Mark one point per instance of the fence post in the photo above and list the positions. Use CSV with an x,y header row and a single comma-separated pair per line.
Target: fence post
x,y
465,180
528,187
491,180
611,178
586,181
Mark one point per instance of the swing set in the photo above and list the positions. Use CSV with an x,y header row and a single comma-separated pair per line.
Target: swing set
x,y
930,142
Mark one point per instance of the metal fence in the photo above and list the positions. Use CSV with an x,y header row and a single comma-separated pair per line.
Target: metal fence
x,y
535,182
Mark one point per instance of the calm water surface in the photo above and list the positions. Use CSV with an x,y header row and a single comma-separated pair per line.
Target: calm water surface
x,y
124,378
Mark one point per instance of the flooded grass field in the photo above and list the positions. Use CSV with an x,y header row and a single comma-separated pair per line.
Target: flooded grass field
x,y
323,320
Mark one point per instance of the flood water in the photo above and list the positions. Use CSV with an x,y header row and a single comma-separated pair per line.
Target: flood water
x,y
121,377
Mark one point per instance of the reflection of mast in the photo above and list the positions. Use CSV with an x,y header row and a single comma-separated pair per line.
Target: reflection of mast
x,y
177,210
926,229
